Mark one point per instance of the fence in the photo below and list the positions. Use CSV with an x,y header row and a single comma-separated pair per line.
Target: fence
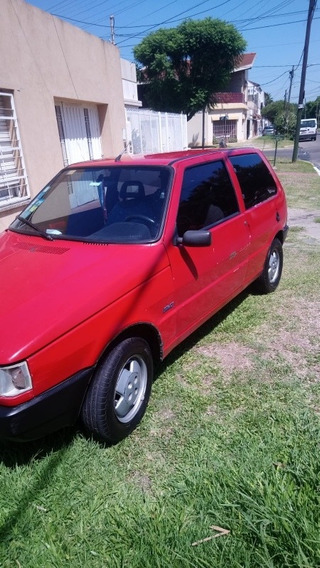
x,y
151,132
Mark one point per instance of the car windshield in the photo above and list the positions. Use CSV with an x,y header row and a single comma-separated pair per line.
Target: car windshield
x,y
311,123
116,204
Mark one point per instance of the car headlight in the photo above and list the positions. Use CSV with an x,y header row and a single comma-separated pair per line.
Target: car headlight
x,y
15,379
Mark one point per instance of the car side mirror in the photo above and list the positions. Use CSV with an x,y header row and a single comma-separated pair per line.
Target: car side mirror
x,y
195,239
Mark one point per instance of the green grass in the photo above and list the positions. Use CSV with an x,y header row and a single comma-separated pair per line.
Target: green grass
x,y
301,183
231,438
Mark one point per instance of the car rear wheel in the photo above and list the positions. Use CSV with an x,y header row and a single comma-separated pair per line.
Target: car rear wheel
x,y
119,392
272,270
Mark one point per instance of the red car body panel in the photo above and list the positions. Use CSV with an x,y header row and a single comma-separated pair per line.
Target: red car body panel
x,y
85,316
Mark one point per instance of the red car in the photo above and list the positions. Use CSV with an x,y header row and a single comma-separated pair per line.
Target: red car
x,y
112,265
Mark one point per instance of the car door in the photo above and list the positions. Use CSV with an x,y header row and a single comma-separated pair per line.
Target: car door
x,y
259,190
205,278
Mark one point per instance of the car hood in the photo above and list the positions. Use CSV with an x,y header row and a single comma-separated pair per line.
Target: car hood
x,y
49,287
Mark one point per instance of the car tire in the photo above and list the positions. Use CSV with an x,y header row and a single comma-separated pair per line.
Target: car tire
x,y
118,395
272,270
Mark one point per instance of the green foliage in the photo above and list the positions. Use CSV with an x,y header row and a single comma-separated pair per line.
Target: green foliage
x,y
282,116
312,109
275,108
285,123
182,67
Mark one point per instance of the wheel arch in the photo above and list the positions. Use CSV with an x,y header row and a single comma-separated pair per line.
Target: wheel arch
x,y
280,236
143,330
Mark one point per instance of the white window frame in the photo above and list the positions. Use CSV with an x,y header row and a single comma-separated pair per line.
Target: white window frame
x,y
14,187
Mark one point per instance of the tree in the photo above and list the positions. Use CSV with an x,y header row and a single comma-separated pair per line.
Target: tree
x,y
182,67
285,122
282,116
271,110
312,109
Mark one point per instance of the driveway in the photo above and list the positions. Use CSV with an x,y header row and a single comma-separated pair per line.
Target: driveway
x,y
307,221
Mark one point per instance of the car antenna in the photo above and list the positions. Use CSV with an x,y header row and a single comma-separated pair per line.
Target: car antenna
x,y
118,158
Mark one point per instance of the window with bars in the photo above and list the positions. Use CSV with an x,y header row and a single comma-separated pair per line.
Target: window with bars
x,y
13,179
224,128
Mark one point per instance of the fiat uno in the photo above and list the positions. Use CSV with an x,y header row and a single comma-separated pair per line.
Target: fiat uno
x,y
112,265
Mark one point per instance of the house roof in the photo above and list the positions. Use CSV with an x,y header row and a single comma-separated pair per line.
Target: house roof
x,y
245,61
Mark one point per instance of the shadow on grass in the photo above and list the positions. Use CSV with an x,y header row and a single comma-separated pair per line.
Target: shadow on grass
x,y
54,448
204,329
13,454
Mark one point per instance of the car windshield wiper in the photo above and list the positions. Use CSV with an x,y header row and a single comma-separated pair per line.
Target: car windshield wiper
x,y
42,233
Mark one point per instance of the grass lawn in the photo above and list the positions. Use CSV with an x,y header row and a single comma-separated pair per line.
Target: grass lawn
x,y
230,440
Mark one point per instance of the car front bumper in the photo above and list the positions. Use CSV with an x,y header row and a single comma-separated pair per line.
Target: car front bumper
x,y
51,410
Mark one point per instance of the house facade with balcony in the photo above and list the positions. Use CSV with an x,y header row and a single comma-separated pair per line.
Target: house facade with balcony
x,y
236,114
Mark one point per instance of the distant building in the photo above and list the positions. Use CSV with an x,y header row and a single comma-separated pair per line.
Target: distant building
x,y
236,115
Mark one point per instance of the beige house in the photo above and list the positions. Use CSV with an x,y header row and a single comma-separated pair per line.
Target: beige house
x,y
236,115
61,101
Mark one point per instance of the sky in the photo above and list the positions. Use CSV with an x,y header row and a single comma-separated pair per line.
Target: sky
x,y
274,29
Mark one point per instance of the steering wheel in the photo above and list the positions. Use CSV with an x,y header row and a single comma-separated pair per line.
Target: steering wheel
x,y
142,218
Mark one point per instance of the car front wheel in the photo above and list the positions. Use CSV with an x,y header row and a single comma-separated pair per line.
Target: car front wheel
x,y
118,395
272,270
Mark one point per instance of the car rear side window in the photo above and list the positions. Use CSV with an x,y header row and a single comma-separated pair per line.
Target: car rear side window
x,y
207,197
255,179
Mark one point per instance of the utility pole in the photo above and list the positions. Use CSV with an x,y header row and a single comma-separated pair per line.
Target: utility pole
x,y
287,100
291,74
112,30
312,7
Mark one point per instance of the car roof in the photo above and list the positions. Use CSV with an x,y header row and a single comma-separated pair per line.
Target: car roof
x,y
165,158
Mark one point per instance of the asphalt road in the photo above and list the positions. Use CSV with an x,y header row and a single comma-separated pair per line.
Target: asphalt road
x,y
308,150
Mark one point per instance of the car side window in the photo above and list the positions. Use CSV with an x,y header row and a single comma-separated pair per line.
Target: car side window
x,y
255,179
207,197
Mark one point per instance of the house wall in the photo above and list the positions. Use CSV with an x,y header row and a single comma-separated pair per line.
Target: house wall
x,y
129,83
45,60
194,128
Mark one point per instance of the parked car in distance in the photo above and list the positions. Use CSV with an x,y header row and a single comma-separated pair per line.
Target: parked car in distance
x,y
268,131
308,129
112,265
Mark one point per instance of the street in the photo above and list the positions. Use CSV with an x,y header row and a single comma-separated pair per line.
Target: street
x,y
308,150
